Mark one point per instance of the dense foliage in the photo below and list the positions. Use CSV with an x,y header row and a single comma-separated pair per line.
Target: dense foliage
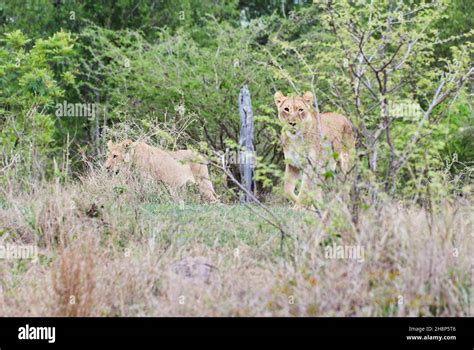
x,y
172,71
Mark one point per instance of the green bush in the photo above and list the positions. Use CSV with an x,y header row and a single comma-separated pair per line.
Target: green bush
x,y
34,76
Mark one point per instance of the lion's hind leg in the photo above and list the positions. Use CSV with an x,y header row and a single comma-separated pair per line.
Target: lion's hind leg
x,y
201,174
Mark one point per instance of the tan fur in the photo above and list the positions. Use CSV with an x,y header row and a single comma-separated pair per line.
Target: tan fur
x,y
175,169
306,146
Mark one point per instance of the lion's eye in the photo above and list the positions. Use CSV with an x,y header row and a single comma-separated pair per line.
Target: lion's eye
x,y
287,109
300,110
115,156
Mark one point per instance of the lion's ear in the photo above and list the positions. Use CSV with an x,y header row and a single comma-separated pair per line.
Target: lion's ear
x,y
279,98
109,144
129,151
308,97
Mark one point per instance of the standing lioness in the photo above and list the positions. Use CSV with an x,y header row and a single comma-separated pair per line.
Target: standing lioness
x,y
174,169
305,144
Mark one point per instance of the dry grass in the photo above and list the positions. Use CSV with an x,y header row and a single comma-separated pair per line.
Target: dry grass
x,y
121,247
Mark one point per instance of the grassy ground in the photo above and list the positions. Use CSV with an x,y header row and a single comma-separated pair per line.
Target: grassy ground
x,y
117,247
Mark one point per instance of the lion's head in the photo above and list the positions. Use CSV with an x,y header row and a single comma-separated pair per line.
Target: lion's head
x,y
118,155
294,110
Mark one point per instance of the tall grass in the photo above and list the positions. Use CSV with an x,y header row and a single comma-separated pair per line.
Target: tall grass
x,y
119,246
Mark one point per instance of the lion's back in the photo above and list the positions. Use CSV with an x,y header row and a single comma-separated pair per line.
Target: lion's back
x,y
161,166
337,128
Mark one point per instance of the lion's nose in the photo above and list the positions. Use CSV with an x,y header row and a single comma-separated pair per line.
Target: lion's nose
x,y
292,123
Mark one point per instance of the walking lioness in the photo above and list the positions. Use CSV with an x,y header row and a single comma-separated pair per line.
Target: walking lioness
x,y
174,169
307,147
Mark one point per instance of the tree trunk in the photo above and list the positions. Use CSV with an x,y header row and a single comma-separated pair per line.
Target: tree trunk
x,y
247,150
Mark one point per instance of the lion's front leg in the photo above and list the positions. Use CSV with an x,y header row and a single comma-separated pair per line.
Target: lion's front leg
x,y
304,196
309,192
292,176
